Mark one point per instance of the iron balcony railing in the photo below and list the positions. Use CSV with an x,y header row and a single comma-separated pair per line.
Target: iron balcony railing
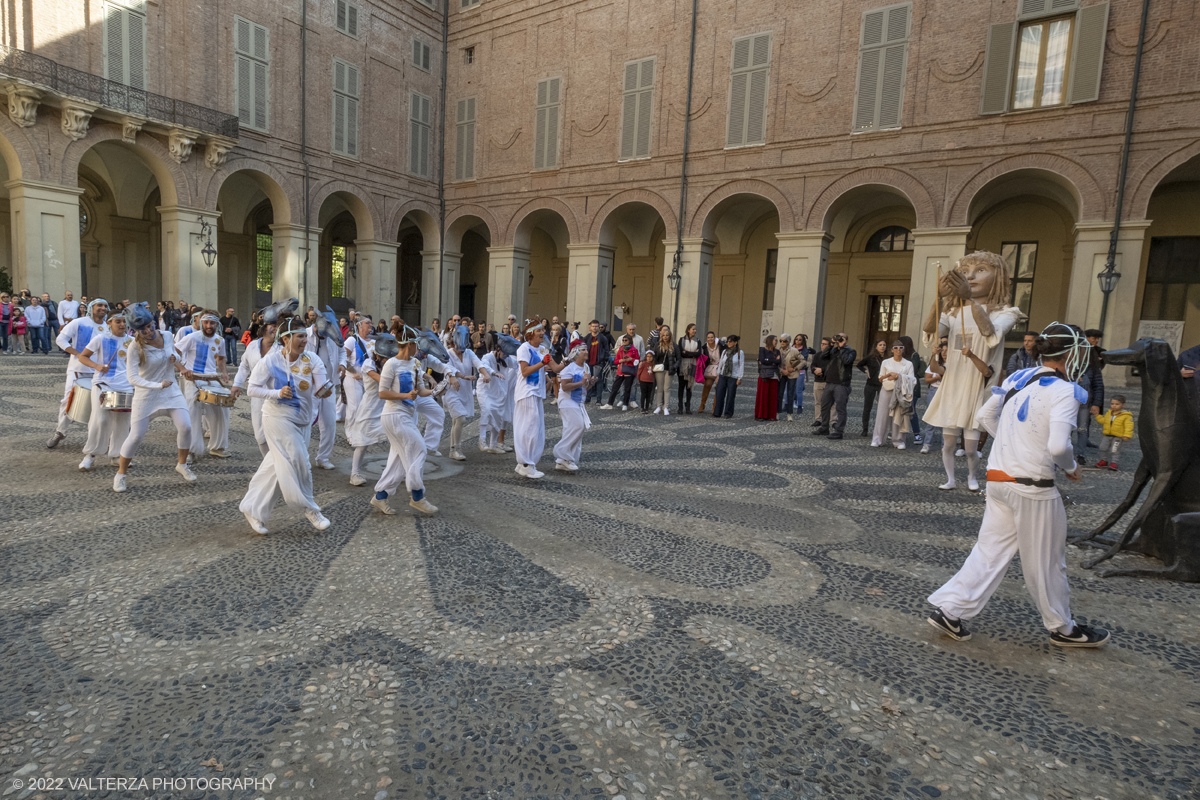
x,y
40,71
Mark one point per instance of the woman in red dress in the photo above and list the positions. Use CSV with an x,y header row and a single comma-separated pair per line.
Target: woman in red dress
x,y
766,403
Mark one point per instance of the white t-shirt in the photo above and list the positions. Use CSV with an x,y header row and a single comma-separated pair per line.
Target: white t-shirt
x,y
1022,433
937,378
199,352
357,351
77,334
112,351
574,398
400,377
305,375
532,385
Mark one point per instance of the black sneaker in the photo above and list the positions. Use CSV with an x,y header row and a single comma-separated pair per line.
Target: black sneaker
x,y
1082,636
955,630
821,432
816,424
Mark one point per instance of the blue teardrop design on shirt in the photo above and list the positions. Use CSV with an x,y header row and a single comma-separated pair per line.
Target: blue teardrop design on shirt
x,y
1046,380
1023,411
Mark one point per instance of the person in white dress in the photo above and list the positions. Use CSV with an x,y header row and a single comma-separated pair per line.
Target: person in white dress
x,y
73,339
105,355
203,355
151,365
892,373
529,420
1031,417
400,384
972,311
364,425
465,370
289,380
272,316
325,342
496,395
357,352
428,408
573,382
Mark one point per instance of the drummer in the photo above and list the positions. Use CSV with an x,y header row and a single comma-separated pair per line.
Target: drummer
x,y
357,353
289,380
73,338
364,426
107,428
272,316
325,342
202,355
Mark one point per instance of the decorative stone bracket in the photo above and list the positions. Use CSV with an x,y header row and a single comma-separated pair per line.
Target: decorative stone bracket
x,y
216,151
130,128
23,102
181,144
76,117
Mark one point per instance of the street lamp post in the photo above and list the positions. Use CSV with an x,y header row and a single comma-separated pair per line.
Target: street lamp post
x,y
673,280
1108,278
209,252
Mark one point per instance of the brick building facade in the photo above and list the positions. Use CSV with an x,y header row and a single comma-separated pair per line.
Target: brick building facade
x,y
838,155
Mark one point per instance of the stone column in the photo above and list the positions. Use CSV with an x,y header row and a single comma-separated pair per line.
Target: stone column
x,y
508,279
185,274
375,292
431,288
45,237
288,263
451,273
800,283
933,248
695,284
589,282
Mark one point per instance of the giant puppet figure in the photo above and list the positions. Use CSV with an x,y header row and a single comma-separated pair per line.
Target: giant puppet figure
x,y
973,313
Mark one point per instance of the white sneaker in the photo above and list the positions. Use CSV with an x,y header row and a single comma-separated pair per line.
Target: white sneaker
x,y
325,464
483,448
255,524
959,453
357,480
562,466
606,407
624,407
666,412
86,464
901,446
657,410
875,444
554,401
433,453
318,520
505,447
925,449
972,485
534,473
789,417
948,486
457,455
573,467
186,472
383,506
521,470
424,506
206,434
118,482
218,453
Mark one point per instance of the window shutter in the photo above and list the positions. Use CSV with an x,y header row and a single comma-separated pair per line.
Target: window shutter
x,y
243,67
645,113
352,21
756,107
241,35
1087,59
340,20
735,135
998,68
748,84
1030,9
114,40
352,93
629,110
882,67
136,67
261,43
469,170
420,118
552,124
637,109
867,89
261,94
339,123
741,54
891,96
545,138
460,141
251,44
425,57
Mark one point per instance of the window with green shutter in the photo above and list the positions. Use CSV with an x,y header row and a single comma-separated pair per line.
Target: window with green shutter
x,y
464,140
347,88
125,44
251,69
748,83
420,55
882,67
346,17
546,126
420,117
637,109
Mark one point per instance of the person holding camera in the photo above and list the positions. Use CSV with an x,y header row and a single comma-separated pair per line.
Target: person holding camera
x,y
838,374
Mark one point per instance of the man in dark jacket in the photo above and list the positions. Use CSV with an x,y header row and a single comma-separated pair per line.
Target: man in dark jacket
x,y
837,386
231,332
820,368
1093,382
599,344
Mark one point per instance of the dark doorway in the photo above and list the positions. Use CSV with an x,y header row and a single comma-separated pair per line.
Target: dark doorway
x,y
466,300
887,312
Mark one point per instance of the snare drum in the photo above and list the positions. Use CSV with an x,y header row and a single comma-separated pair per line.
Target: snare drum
x,y
214,394
116,401
79,403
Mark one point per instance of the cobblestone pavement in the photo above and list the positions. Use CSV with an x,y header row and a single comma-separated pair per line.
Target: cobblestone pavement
x,y
709,609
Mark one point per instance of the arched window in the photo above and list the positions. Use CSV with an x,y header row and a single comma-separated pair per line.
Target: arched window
x,y
889,239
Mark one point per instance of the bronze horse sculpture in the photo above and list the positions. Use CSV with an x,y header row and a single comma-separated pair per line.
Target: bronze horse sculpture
x,y
1169,434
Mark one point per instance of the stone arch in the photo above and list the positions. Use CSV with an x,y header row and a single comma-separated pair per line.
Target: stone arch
x,y
517,226
699,224
1073,178
173,183
458,223
1139,205
918,196
19,155
426,220
366,215
275,185
653,199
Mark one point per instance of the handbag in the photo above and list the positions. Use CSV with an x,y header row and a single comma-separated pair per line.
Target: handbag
x,y
659,367
889,386
701,363
246,338
627,370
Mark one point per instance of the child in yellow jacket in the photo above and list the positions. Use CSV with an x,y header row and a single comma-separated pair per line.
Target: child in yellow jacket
x,y
1118,428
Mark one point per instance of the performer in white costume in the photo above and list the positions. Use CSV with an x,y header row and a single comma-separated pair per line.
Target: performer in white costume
x,y
465,369
73,339
428,408
290,381
1031,416
325,342
272,316
496,395
364,425
529,421
573,382
357,352
972,311
399,385
203,355
151,366
107,429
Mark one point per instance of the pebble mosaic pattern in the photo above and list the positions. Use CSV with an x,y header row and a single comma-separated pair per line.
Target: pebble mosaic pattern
x,y
706,610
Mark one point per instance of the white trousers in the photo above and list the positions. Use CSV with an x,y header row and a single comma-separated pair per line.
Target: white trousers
x,y
352,389
435,421
529,430
64,422
1015,523
216,417
491,417
256,406
406,459
106,429
574,422
138,428
285,468
326,408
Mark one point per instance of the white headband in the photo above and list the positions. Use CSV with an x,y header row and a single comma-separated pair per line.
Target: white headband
x,y
210,318
96,302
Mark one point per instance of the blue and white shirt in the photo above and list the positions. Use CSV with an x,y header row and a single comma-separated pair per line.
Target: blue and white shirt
x,y
400,376
305,375
111,350
199,353
570,374
533,385
77,334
